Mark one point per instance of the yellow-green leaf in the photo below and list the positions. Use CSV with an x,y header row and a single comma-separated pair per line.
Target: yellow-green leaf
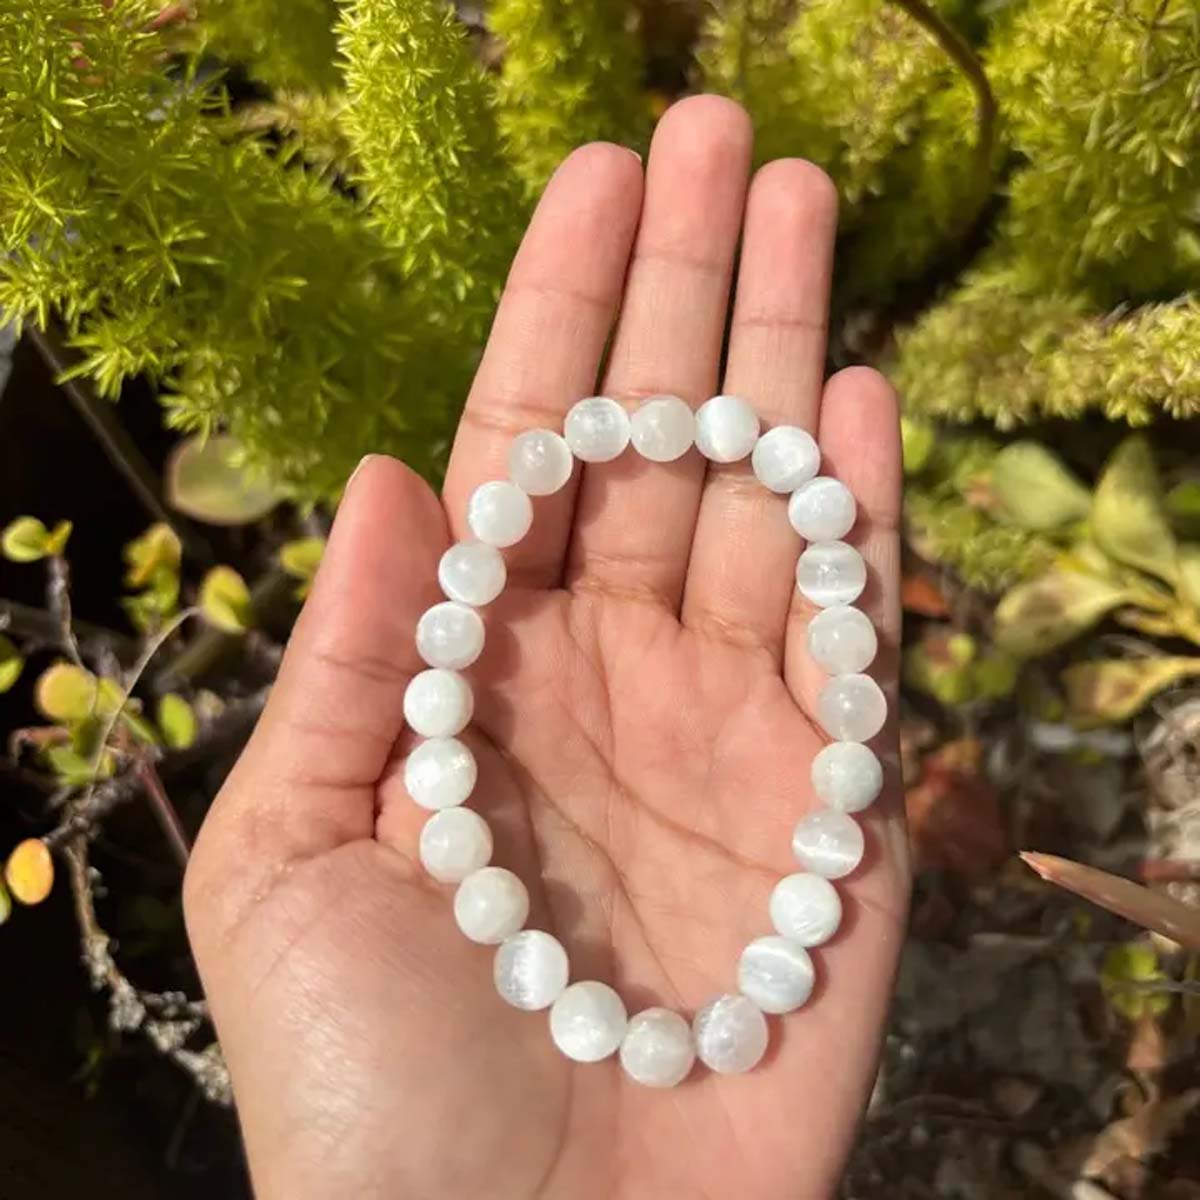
x,y
1189,574
1133,963
1035,490
1129,519
76,769
206,478
1113,690
148,555
918,439
177,721
301,559
225,600
56,539
67,693
11,664
29,871
1052,609
5,904
25,540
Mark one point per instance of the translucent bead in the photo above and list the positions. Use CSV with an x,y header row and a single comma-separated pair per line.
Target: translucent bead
x,y
852,708
499,513
490,904
539,462
842,640
847,776
806,908
785,457
730,1034
440,773
830,573
450,635
822,510
597,429
438,703
828,843
657,1049
776,973
663,429
726,429
530,970
588,1021
472,573
455,843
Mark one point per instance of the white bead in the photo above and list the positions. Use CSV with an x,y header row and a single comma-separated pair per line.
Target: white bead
x,y
776,973
842,640
490,904
830,573
828,843
597,429
450,635
588,1021
440,773
657,1049
730,1034
663,429
726,429
472,573
806,908
539,462
822,510
847,776
455,843
852,708
785,457
530,970
438,703
499,513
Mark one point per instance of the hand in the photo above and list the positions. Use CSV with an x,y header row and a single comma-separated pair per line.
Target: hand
x,y
643,727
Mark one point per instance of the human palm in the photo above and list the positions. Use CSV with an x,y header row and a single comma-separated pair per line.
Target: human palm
x,y
642,728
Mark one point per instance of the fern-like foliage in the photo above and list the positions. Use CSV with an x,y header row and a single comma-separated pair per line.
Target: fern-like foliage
x,y
281,43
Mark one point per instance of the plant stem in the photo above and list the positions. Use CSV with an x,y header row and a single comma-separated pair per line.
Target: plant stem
x,y
38,625
164,810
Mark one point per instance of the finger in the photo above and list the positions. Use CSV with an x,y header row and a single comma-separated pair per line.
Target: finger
x,y
742,569
634,519
306,781
547,340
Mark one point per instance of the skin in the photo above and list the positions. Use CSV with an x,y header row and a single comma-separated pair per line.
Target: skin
x,y
643,727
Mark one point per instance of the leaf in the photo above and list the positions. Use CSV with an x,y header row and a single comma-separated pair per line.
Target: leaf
x,y
1136,963
302,557
177,721
5,904
206,479
1183,507
77,769
1035,490
11,664
918,439
66,693
1113,690
1052,609
1129,519
225,600
151,553
29,872
1189,574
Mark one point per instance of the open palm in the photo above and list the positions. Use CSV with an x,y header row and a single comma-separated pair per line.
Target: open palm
x,y
643,729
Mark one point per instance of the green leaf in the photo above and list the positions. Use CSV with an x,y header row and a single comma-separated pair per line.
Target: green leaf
x,y
917,439
1189,574
1136,963
225,600
1035,489
1037,616
11,664
301,559
66,693
177,721
74,768
1183,507
25,540
206,478
1129,519
149,555
1109,691
5,903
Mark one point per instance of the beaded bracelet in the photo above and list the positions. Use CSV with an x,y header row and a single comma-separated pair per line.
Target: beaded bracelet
x,y
588,1021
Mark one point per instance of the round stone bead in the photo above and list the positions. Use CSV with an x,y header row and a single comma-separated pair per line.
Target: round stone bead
x,y
785,457
828,843
847,776
539,462
806,908
440,773
530,970
776,973
588,1021
472,573
842,640
455,843
663,429
450,635
499,513
730,1034
657,1048
852,708
597,429
830,573
726,429
822,510
438,703
491,904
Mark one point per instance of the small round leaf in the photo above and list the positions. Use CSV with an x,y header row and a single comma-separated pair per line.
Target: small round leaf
x,y
67,693
177,721
225,600
11,664
25,540
207,479
29,872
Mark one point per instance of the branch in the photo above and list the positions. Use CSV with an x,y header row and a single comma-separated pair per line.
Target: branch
x,y
43,627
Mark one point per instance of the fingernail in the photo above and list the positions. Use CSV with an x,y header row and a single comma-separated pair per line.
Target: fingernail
x,y
634,153
362,462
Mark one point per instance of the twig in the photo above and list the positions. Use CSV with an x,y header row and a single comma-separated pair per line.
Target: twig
x,y
164,810
58,601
